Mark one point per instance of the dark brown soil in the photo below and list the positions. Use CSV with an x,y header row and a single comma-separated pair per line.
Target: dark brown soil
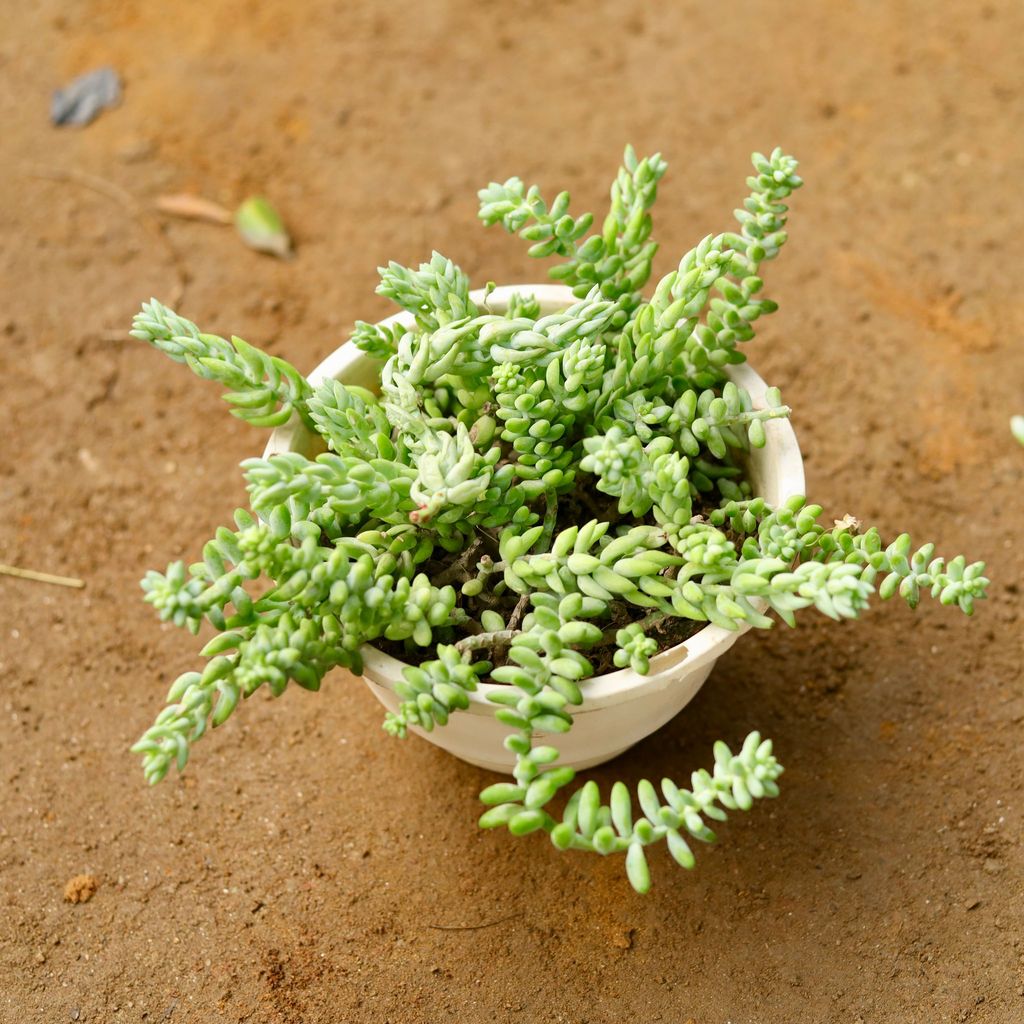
x,y
309,869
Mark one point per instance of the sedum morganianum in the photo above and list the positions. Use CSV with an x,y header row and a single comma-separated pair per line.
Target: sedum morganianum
x,y
483,423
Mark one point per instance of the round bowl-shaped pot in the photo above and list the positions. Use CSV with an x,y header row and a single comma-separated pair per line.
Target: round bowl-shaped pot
x,y
619,708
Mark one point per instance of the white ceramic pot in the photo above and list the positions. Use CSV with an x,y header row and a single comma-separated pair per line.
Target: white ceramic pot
x,y
619,708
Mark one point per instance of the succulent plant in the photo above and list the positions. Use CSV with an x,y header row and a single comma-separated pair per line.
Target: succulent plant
x,y
527,495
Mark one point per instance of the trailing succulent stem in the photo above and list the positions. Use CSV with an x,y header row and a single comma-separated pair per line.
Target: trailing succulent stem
x,y
263,390
528,501
614,262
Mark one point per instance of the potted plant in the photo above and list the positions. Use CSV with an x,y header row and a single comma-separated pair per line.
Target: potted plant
x,y
530,515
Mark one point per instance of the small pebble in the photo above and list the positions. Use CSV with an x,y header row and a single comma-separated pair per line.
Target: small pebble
x,y
81,101
80,889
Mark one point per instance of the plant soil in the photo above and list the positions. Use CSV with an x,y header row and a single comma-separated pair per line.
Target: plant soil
x,y
307,868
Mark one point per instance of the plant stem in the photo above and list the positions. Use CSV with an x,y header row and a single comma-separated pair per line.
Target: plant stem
x,y
502,637
779,412
459,569
550,519
648,620
518,611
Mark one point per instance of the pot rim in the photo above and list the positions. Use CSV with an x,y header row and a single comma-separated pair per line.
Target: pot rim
x,y
706,644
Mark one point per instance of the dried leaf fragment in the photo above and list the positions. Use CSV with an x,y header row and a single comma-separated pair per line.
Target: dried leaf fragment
x,y
190,207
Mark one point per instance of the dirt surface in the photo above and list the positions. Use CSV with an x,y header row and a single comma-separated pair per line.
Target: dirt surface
x,y
307,868
80,889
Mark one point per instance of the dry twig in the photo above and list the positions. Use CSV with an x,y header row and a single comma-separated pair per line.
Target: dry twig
x,y
472,927
40,577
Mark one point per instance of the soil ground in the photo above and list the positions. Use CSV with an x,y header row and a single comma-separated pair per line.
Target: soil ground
x,y
306,868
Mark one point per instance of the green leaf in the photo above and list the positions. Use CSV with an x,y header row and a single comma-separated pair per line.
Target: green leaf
x,y
261,227
498,816
526,822
501,793
637,870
